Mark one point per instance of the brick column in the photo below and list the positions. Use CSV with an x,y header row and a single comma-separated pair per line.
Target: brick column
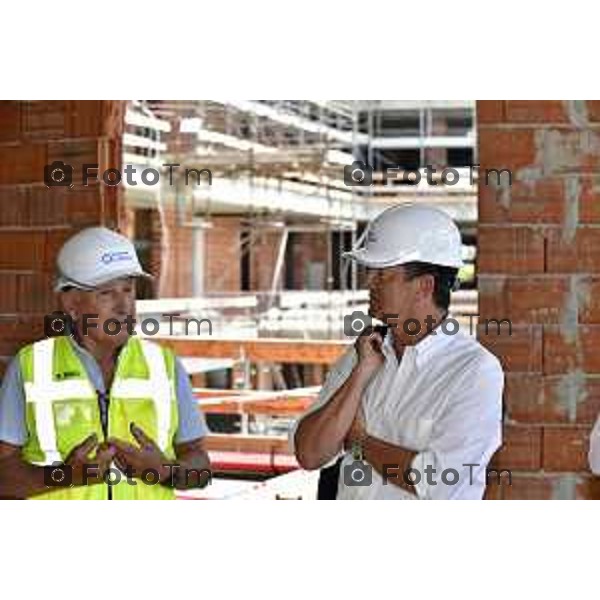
x,y
264,251
172,253
34,219
309,247
223,251
539,266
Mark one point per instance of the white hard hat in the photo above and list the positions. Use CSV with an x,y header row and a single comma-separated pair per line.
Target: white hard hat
x,y
95,256
409,233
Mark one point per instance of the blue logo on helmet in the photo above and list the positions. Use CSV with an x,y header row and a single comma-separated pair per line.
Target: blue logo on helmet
x,y
110,257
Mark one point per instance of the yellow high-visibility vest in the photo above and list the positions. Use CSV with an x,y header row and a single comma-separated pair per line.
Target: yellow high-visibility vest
x,y
62,410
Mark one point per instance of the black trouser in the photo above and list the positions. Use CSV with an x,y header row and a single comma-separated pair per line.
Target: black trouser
x,y
328,481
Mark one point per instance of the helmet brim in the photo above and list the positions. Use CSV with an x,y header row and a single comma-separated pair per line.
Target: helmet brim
x,y
63,281
372,261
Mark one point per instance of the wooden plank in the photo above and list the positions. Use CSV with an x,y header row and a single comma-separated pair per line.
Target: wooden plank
x,y
257,462
256,402
253,444
288,407
206,393
259,350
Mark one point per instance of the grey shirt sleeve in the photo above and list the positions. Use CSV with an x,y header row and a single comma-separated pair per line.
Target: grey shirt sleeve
x,y
192,424
13,429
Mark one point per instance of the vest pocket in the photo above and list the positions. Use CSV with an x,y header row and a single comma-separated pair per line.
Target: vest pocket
x,y
75,420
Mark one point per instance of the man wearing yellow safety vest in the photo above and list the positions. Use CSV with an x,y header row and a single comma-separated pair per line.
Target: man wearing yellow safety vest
x,y
100,413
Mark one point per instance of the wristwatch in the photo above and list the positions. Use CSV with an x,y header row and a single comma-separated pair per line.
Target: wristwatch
x,y
357,449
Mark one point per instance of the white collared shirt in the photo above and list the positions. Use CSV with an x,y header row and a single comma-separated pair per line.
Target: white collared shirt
x,y
594,449
444,401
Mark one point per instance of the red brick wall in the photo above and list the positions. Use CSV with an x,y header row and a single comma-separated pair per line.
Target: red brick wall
x,y
171,253
127,221
36,220
309,247
539,265
222,264
264,250
302,249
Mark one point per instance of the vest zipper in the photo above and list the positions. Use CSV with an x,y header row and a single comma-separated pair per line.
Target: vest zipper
x,y
103,401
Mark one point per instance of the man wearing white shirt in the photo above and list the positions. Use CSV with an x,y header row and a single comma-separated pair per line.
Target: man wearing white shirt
x,y
594,450
421,404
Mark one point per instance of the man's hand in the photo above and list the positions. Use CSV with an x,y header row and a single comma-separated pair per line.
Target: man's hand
x,y
368,348
321,433
79,457
137,460
194,471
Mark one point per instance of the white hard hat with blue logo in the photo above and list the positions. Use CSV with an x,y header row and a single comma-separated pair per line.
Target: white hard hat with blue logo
x,y
95,256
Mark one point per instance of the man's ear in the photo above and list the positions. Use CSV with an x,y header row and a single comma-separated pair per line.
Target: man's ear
x,y
70,302
426,287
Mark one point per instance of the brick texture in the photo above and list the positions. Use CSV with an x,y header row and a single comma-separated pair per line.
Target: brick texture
x,y
264,250
171,252
538,265
35,219
514,249
223,255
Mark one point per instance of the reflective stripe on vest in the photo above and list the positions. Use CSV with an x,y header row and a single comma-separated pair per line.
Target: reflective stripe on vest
x,y
156,387
44,391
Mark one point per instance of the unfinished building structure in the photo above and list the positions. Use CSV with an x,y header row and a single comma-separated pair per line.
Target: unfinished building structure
x,y
277,213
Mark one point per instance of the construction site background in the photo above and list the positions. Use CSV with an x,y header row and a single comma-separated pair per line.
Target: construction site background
x,y
258,251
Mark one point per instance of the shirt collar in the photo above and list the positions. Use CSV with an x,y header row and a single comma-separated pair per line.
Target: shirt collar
x,y
426,347
79,347
433,342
